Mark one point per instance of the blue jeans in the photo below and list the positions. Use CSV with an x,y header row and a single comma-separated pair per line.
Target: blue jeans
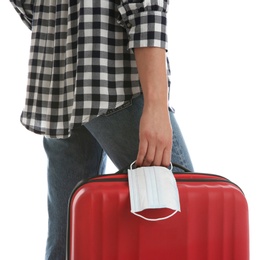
x,y
83,155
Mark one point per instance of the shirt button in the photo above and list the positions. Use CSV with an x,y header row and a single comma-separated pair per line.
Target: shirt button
x,y
128,25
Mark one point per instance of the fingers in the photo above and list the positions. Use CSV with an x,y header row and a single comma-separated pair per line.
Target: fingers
x,y
143,148
155,138
152,152
166,159
147,154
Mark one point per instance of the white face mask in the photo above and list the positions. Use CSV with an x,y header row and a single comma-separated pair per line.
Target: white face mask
x,y
153,187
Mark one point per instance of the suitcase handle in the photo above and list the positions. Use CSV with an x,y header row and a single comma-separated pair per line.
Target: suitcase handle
x,y
124,170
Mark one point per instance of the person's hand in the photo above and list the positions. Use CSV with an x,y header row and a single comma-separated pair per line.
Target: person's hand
x,y
155,135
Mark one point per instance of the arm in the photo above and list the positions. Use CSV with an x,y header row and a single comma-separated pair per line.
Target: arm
x,y
145,22
155,128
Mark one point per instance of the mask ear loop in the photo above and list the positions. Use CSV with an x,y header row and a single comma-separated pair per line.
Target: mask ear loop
x,y
153,219
131,165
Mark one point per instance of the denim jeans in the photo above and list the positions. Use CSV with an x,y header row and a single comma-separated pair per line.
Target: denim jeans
x,y
69,160
83,155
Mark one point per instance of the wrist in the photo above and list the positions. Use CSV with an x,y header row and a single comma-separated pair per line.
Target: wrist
x,y
156,96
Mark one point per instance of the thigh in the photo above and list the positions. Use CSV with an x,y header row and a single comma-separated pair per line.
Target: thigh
x,y
118,134
79,156
180,154
69,161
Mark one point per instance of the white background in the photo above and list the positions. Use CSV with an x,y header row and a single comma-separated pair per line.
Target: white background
x,y
214,62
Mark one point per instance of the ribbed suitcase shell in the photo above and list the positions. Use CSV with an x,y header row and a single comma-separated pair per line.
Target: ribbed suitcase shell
x,y
212,224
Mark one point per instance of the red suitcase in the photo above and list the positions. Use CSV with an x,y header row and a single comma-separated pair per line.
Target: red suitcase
x,y
212,224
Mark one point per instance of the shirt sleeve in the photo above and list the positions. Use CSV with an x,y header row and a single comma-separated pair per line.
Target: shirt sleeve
x,y
25,9
145,22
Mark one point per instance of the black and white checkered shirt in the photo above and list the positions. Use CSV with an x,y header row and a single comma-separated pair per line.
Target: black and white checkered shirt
x,y
81,59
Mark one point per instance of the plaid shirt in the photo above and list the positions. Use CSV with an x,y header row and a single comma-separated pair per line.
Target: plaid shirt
x,y
81,58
